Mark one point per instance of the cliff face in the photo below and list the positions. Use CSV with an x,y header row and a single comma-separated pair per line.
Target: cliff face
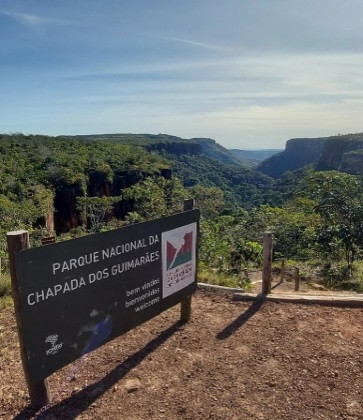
x,y
47,221
66,215
352,162
99,184
340,153
337,154
212,149
176,148
297,153
165,143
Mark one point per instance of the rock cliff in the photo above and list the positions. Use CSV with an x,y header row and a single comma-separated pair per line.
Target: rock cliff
x,y
352,162
340,153
297,153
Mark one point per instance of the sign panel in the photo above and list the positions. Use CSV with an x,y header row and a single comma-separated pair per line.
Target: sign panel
x,y
77,295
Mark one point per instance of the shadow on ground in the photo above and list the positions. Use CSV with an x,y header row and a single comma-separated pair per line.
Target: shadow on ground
x,y
241,319
80,401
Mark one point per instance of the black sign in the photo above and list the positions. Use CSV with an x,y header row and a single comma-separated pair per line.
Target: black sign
x,y
77,295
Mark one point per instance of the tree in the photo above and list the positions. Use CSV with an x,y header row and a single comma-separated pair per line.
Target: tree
x,y
294,226
156,197
209,200
96,209
339,202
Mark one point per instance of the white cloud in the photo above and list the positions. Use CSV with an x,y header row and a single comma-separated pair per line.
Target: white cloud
x,y
35,21
268,98
233,71
198,44
268,126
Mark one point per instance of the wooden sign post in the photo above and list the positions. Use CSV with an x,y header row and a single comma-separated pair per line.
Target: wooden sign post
x,y
38,391
267,261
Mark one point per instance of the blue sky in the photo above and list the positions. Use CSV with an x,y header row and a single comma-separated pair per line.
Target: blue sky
x,y
248,73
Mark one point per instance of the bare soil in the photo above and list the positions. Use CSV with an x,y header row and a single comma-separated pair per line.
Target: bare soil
x,y
233,360
313,286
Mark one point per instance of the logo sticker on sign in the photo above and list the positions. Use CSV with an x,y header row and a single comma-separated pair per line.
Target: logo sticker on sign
x,y
178,253
52,340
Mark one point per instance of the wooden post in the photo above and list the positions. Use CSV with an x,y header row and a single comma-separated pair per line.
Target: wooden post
x,y
186,309
267,261
186,305
189,204
282,270
39,392
296,279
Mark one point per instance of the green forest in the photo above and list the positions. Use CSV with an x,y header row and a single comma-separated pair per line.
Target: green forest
x,y
73,186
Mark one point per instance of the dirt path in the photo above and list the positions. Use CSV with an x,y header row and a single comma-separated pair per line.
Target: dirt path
x,y
287,286
233,360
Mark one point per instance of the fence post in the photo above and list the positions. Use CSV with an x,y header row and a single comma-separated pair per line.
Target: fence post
x,y
282,270
296,279
39,392
267,261
186,304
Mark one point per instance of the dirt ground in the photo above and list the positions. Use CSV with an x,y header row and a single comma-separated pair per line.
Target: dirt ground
x,y
314,287
233,360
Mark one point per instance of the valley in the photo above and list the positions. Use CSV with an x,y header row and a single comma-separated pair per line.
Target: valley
x,y
77,185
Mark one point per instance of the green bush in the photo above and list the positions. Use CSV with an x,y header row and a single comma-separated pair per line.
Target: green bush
x,y
219,278
5,286
341,276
